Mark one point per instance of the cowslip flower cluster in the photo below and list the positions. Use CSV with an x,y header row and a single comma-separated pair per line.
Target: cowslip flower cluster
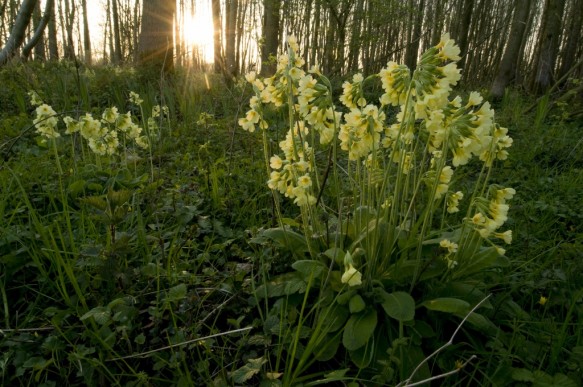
x,y
102,135
491,213
45,120
431,137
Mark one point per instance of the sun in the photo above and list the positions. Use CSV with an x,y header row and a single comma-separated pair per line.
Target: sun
x,y
198,32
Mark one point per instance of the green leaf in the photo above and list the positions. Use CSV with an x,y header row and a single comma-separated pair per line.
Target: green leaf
x,y
243,374
363,356
176,293
334,317
328,348
309,267
399,305
480,322
76,188
281,285
359,329
101,314
448,305
284,237
356,304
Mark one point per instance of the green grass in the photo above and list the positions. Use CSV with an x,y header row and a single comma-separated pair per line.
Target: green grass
x,y
167,300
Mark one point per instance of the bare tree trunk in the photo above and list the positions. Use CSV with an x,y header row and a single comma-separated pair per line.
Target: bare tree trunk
x,y
53,46
17,34
117,54
86,34
217,36
69,18
39,43
231,15
549,43
508,66
573,38
415,33
38,33
270,35
156,39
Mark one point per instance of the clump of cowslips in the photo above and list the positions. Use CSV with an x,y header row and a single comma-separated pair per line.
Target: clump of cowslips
x,y
103,134
404,170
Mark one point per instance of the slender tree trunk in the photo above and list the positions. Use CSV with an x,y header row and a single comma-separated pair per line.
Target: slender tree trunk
x,y
271,20
38,33
415,35
18,32
508,66
53,46
231,15
86,34
573,38
39,43
549,43
117,53
219,65
156,39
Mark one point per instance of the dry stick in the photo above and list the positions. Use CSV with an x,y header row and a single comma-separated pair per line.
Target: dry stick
x,y
450,342
181,344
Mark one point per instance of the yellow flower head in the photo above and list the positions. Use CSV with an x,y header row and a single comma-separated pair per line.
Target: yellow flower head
x,y
351,276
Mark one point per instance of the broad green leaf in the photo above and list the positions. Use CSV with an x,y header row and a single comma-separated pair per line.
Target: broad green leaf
x,y
284,237
176,293
359,329
281,285
356,304
362,356
76,188
101,314
448,305
309,267
399,305
328,348
243,374
334,317
480,322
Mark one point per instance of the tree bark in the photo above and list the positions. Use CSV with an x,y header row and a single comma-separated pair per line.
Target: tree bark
x,y
549,45
156,39
18,32
231,15
86,34
117,54
53,46
270,36
508,65
217,36
38,33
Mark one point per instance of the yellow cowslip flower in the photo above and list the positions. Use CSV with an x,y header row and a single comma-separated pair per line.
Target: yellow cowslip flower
x,y
251,77
135,98
110,115
506,236
304,181
275,162
35,99
45,110
448,50
351,276
543,300
449,245
453,201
